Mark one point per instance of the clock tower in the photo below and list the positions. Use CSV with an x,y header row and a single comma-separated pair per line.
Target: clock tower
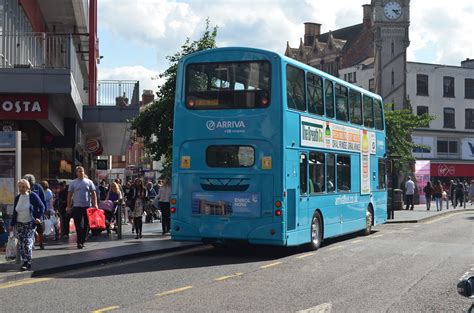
x,y
391,25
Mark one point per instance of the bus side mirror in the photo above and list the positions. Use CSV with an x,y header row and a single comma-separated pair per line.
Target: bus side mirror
x,y
466,286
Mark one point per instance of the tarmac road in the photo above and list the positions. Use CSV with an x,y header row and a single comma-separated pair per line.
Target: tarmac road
x,y
398,268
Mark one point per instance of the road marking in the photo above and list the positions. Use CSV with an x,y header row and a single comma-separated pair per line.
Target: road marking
x,y
24,282
406,228
270,265
228,276
442,218
322,308
358,240
336,247
376,236
109,308
305,255
173,291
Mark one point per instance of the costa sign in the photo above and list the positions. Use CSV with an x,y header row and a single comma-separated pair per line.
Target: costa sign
x,y
23,107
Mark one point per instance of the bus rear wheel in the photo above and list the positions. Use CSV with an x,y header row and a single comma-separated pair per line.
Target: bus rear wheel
x,y
316,232
368,221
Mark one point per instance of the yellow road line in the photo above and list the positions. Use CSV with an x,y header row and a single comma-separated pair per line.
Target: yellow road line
x,y
173,291
443,218
304,255
270,265
24,282
228,276
376,236
336,247
109,308
358,240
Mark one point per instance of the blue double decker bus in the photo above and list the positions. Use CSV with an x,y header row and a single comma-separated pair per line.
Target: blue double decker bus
x,y
271,151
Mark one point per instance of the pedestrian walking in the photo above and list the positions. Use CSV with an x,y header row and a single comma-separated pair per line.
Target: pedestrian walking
x,y
459,193
81,196
114,195
49,212
36,188
164,196
471,191
61,204
28,210
438,195
138,194
428,190
409,193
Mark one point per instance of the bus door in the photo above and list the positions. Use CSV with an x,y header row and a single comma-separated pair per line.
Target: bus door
x,y
296,201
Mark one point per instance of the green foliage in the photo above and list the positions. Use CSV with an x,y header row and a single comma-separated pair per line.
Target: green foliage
x,y
155,123
400,125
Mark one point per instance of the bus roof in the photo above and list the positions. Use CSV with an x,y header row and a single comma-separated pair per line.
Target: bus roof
x,y
286,59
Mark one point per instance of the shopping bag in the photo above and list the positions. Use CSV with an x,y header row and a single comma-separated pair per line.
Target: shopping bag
x,y
106,205
54,219
10,249
48,227
96,218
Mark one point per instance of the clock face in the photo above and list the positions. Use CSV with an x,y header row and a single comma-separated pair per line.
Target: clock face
x,y
392,10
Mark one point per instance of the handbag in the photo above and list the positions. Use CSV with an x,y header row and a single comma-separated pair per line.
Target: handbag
x,y
54,219
10,249
96,218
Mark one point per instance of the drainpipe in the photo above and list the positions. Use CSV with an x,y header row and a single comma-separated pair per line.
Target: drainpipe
x,y
92,52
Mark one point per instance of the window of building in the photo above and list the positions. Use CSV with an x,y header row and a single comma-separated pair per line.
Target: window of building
x,y
393,78
422,85
329,97
303,174
315,94
420,110
382,181
343,173
446,147
469,88
469,118
355,77
330,173
317,177
378,115
295,89
350,77
342,103
368,112
448,86
356,107
372,85
448,118
345,77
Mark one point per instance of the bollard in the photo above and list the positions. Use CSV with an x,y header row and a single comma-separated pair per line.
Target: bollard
x,y
119,221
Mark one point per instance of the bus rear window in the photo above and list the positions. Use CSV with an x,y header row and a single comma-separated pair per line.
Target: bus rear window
x,y
230,156
229,85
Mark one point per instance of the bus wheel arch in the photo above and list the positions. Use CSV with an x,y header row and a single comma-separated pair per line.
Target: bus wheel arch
x,y
316,230
369,220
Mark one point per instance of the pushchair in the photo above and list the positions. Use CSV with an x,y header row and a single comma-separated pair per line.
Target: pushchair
x,y
152,211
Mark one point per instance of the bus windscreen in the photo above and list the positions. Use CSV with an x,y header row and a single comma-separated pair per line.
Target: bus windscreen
x,y
228,85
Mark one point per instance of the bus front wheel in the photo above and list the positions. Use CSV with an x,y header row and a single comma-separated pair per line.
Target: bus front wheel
x,y
316,231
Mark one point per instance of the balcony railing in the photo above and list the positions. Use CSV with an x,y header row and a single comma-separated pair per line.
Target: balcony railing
x,y
118,92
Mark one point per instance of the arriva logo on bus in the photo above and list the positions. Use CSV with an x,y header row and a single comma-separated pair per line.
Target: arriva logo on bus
x,y
213,125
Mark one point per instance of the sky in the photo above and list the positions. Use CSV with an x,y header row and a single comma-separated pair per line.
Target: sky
x,y
136,35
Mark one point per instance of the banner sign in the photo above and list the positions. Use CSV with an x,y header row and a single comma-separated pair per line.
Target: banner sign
x,y
422,175
467,149
452,170
245,204
320,134
23,107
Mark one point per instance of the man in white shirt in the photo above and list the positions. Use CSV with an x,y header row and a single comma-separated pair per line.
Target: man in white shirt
x,y
409,193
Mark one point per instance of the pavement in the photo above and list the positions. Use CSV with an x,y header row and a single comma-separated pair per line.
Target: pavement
x,y
63,255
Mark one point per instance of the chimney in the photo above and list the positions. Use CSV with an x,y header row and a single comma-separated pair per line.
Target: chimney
x,y
367,15
468,63
311,31
147,97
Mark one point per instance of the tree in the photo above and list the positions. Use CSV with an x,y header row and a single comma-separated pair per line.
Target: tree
x,y
155,123
400,125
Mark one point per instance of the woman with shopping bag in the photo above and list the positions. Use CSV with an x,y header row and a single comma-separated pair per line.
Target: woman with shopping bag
x,y
28,210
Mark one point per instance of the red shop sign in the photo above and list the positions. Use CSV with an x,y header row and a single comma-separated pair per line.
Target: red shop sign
x,y
23,107
452,170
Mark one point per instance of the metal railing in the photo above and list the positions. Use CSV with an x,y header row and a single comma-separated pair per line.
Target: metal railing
x,y
118,92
